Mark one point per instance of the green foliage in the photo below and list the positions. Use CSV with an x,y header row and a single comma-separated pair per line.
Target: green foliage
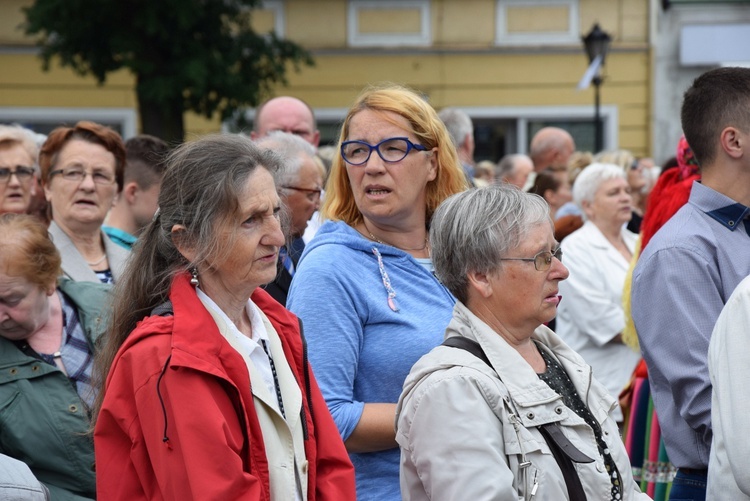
x,y
202,52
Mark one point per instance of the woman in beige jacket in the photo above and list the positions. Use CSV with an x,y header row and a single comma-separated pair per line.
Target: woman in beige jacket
x,y
515,414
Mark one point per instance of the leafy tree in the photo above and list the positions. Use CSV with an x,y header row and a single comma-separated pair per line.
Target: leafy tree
x,y
199,55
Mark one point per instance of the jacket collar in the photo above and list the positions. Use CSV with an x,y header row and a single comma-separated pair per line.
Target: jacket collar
x,y
522,382
73,263
533,397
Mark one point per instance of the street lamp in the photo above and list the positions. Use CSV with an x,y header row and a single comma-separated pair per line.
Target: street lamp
x,y
596,44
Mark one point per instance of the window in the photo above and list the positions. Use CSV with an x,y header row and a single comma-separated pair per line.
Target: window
x,y
388,23
269,17
537,22
499,131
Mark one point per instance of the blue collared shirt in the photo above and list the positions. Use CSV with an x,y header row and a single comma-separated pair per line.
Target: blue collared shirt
x,y
680,284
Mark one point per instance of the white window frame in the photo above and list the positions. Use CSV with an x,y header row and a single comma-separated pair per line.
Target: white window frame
x,y
127,118
279,18
609,115
356,39
502,37
524,114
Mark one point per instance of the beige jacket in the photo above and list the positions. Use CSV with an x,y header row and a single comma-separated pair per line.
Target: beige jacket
x,y
74,265
283,438
464,431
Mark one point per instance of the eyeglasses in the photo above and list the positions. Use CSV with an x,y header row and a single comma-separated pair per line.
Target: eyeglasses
x,y
393,149
78,175
24,174
312,195
542,261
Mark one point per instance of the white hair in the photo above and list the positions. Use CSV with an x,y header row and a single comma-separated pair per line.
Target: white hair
x,y
591,178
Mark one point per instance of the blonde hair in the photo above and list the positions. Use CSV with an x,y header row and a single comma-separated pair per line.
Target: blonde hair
x,y
431,133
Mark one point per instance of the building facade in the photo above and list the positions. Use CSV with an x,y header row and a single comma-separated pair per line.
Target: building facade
x,y
513,65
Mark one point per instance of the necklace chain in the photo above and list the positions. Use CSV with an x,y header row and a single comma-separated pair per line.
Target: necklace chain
x,y
416,249
99,261
426,241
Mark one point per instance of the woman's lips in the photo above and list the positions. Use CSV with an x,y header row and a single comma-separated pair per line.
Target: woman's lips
x,y
553,298
377,191
268,258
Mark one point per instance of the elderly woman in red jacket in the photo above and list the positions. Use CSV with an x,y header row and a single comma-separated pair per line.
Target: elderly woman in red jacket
x,y
208,393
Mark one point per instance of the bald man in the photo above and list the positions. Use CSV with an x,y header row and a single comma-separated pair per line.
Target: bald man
x,y
286,114
551,148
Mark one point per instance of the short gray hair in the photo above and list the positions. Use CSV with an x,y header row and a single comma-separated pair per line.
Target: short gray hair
x,y
472,230
290,148
506,166
590,178
458,124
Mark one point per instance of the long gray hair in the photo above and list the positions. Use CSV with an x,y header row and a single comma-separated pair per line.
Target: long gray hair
x,y
472,230
201,191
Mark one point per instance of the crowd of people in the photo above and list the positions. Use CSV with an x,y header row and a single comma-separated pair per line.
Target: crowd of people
x,y
243,316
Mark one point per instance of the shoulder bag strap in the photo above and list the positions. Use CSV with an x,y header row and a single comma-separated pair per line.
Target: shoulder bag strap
x,y
563,450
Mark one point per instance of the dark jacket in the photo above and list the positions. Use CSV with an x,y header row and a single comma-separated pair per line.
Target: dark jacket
x,y
279,288
43,422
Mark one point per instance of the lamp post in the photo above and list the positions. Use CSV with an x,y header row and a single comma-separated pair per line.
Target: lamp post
x,y
596,44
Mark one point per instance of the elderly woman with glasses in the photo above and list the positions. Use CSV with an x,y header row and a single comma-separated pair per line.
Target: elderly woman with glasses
x,y
505,409
598,255
82,173
18,159
364,286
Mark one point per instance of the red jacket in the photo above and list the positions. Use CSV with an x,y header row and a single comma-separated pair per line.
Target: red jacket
x,y
178,420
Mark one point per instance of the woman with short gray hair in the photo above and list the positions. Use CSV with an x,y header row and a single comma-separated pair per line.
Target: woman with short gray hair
x,y
591,318
503,409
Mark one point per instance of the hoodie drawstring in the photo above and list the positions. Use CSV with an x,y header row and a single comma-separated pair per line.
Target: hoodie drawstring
x,y
386,281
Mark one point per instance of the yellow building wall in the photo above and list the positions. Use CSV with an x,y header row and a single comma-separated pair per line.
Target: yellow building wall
x,y
461,67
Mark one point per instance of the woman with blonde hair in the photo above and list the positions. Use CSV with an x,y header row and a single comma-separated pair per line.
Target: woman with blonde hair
x,y
364,286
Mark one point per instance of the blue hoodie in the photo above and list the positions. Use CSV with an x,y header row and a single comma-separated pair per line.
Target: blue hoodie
x,y
369,311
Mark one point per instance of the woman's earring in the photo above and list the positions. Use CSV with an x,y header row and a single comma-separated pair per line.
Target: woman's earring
x,y
194,279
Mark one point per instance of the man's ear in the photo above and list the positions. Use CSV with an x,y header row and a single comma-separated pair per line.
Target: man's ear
x,y
180,239
129,192
732,142
480,282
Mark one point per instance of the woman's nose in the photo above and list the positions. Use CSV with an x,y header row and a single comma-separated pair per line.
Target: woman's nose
x,y
274,236
559,271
